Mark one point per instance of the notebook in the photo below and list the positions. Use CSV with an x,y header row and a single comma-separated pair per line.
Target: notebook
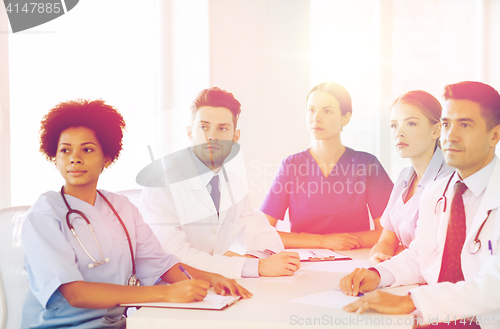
x,y
318,255
211,302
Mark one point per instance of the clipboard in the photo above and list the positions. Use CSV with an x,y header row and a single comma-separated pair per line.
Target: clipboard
x,y
319,255
211,302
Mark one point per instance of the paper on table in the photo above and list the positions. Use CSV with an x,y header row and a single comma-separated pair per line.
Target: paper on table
x,y
211,302
332,299
306,254
287,278
344,266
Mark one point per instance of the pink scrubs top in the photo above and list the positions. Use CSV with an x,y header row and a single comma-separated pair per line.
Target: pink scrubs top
x,y
335,204
401,218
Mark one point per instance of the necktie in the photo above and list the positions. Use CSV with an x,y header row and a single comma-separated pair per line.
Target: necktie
x,y
215,192
451,266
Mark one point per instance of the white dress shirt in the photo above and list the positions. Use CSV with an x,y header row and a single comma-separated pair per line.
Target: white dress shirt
x,y
478,294
401,217
184,218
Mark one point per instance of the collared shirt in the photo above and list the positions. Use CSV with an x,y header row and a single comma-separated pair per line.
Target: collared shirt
x,y
401,217
472,197
251,267
356,188
206,174
476,186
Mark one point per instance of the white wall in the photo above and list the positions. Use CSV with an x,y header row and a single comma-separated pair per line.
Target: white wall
x,y
259,51
269,53
87,53
5,197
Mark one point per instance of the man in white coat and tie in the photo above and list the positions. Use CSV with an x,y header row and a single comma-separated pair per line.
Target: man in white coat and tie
x,y
457,244
202,209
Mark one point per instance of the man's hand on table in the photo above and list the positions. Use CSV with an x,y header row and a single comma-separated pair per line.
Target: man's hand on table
x,y
382,302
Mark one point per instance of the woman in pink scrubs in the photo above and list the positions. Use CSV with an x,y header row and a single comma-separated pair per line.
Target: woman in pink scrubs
x,y
415,129
329,190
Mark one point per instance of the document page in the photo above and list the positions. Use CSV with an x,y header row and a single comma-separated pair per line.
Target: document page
x,y
211,302
318,254
332,299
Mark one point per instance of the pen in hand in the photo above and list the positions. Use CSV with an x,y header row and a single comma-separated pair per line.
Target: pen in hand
x,y
183,270
359,293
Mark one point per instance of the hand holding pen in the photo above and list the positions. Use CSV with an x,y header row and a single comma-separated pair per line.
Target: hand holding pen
x,y
183,270
358,295
221,284
359,280
180,290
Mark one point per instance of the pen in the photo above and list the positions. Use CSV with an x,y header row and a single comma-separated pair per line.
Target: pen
x,y
183,270
490,248
359,293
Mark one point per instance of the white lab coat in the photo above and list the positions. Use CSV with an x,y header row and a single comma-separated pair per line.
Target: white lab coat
x,y
184,218
479,294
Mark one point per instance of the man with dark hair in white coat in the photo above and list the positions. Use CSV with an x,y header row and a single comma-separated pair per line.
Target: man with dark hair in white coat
x,y
456,249
202,208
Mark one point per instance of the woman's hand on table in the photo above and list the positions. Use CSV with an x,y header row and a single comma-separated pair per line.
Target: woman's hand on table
x,y
340,241
378,257
224,286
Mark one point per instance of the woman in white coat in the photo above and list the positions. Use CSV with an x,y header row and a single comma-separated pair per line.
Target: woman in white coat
x,y
415,130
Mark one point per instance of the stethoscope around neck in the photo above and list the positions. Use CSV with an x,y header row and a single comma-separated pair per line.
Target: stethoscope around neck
x,y
475,246
132,281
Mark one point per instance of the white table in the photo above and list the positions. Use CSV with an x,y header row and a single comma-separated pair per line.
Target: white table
x,y
270,307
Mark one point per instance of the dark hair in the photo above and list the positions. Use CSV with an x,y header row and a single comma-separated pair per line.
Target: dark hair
x,y
486,96
216,97
339,92
106,122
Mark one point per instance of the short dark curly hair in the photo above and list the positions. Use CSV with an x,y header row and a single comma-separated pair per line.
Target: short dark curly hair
x,y
106,122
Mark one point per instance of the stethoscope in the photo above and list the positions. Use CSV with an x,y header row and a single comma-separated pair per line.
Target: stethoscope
x,y
475,246
132,281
